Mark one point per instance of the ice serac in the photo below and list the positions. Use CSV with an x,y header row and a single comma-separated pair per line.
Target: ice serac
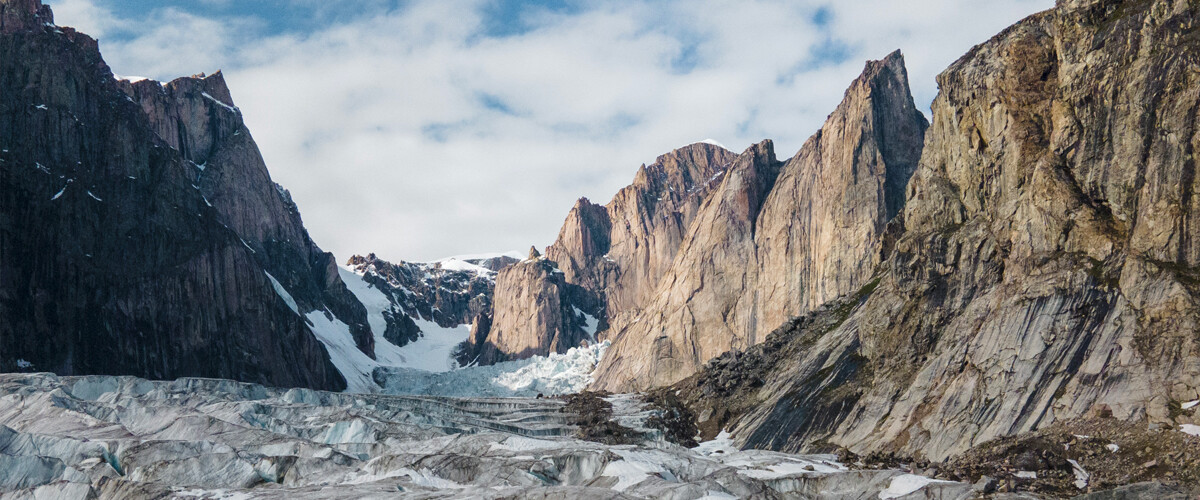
x,y
775,241
196,116
112,260
1049,264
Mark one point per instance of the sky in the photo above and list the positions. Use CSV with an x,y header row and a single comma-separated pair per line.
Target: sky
x,y
423,129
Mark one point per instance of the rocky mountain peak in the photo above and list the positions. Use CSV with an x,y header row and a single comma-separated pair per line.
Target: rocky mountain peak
x,y
777,239
1048,267
154,263
24,15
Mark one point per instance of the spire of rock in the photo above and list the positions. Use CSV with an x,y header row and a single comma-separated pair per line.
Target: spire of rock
x,y
775,242
534,253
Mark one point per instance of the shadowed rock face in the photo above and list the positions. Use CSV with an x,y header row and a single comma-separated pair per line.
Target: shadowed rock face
x,y
426,291
1050,261
196,116
118,254
776,240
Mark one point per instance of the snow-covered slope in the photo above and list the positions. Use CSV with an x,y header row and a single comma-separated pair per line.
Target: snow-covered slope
x,y
426,365
547,375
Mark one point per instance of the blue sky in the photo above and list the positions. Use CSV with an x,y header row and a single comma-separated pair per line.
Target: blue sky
x,y
420,129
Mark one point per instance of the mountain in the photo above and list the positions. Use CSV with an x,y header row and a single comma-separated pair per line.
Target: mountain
x,y
605,260
449,292
141,232
709,250
1047,268
776,239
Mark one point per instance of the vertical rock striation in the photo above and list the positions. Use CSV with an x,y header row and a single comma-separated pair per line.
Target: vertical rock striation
x,y
1049,263
777,240
608,259
196,116
114,259
621,250
821,229
536,312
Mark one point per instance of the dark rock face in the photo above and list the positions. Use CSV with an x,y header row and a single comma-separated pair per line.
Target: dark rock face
x,y
196,117
118,255
1049,261
429,292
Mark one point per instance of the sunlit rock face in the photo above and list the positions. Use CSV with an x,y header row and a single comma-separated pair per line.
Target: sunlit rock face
x,y
776,239
1049,261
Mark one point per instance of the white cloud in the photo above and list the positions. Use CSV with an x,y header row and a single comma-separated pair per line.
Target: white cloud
x,y
411,134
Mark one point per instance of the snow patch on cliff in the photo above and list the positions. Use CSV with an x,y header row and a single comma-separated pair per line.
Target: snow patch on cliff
x,y
432,352
283,293
353,364
455,264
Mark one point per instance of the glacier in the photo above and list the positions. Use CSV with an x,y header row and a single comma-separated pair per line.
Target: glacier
x,y
108,437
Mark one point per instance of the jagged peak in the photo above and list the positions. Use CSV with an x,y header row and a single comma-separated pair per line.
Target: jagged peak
x,y
878,75
764,148
24,15
214,86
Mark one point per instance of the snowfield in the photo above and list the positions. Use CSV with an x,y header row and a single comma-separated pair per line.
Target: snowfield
x,y
426,367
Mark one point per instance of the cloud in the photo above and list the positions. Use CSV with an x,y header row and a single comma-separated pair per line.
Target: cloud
x,y
439,128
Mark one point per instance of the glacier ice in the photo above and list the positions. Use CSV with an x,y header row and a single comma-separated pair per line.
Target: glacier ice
x,y
124,437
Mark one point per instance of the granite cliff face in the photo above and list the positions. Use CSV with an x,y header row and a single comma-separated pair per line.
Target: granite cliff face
x,y
196,117
606,260
774,240
1048,266
138,226
536,312
620,251
708,251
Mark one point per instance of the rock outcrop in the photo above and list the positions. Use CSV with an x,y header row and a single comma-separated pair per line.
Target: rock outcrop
x,y
121,255
702,307
196,116
430,291
536,312
1049,261
776,240
621,250
606,259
